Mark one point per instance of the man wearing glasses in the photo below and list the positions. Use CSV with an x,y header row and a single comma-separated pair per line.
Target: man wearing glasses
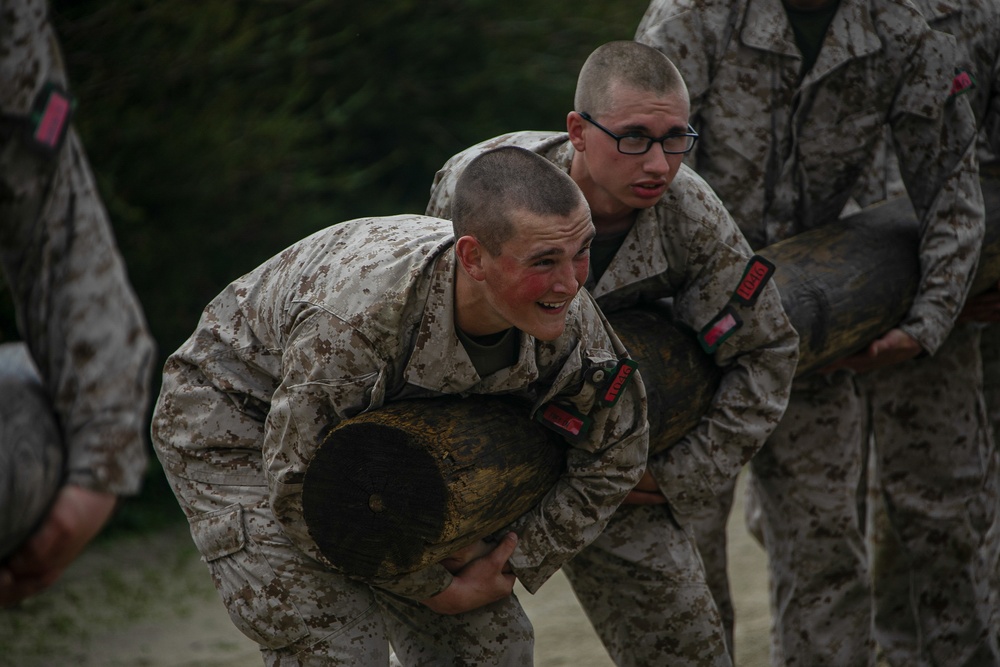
x,y
661,232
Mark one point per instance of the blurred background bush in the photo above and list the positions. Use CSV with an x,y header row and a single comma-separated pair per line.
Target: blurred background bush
x,y
223,131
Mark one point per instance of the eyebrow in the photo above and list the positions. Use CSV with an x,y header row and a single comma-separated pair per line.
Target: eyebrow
x,y
544,253
547,252
676,129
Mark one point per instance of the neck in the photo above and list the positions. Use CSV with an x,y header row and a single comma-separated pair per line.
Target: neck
x,y
472,312
610,217
613,225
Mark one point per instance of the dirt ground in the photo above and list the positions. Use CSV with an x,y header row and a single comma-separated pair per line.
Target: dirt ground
x,y
149,602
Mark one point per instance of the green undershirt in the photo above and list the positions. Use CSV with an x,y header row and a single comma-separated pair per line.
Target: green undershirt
x,y
493,352
810,28
602,251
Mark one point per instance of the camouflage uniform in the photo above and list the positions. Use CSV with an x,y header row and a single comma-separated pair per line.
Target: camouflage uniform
x,y
783,152
642,582
75,309
350,318
990,349
936,480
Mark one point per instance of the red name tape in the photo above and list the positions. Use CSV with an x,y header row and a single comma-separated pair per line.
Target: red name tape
x,y
963,81
755,277
564,421
614,390
52,124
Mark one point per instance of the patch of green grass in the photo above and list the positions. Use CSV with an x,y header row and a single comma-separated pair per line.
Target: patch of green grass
x,y
125,578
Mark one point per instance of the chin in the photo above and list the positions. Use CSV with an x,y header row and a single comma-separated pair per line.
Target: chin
x,y
548,335
646,202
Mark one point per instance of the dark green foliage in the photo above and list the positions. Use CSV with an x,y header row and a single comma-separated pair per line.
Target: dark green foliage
x,y
223,131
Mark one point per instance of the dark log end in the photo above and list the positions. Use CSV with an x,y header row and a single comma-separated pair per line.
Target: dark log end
x,y
373,499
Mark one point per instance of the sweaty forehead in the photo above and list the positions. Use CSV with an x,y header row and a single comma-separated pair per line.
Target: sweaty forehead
x,y
626,101
536,234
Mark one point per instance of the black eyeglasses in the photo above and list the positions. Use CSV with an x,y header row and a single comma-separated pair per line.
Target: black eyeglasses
x,y
672,143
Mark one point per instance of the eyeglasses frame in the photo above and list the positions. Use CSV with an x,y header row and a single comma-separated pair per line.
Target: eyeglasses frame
x,y
670,135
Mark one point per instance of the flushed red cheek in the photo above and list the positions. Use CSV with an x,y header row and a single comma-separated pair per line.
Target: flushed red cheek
x,y
531,288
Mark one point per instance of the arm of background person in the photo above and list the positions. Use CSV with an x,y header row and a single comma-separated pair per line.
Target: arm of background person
x,y
937,156
76,311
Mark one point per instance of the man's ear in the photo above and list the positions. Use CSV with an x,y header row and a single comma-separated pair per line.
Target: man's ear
x,y
574,126
470,251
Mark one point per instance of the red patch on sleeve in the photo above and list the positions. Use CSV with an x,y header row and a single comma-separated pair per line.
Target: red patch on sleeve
x,y
962,83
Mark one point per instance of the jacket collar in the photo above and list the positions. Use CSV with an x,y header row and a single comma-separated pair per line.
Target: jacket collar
x,y
851,34
439,361
640,256
935,10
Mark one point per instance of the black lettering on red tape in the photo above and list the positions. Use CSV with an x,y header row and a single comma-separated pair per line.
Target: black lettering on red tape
x,y
620,378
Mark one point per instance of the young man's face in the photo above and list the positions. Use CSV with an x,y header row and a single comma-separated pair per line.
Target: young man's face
x,y
538,272
619,182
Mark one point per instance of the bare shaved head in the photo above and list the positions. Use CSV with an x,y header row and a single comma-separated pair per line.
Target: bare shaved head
x,y
628,64
502,182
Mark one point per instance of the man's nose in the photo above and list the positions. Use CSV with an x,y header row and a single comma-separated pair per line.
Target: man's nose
x,y
656,160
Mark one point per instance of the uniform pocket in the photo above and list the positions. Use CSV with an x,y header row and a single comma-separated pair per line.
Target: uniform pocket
x,y
258,602
835,154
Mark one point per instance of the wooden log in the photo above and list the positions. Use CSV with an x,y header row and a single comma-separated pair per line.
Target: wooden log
x,y
393,490
400,488
845,284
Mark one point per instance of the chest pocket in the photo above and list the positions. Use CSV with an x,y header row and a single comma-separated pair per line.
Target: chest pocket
x,y
833,154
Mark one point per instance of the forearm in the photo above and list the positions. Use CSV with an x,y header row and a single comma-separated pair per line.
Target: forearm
x,y
576,510
945,190
83,325
747,407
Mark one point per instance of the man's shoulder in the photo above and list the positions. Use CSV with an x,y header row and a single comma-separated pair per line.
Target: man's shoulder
x,y
685,12
664,9
690,196
373,236
546,144
378,276
355,262
533,140
972,22
897,20
692,215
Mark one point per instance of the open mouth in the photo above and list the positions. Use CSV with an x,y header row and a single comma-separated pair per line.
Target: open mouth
x,y
649,188
552,307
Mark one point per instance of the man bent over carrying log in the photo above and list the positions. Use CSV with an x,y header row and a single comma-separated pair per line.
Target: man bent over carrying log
x,y
379,310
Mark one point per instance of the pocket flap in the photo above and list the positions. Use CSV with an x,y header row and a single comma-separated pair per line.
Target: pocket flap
x,y
219,533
